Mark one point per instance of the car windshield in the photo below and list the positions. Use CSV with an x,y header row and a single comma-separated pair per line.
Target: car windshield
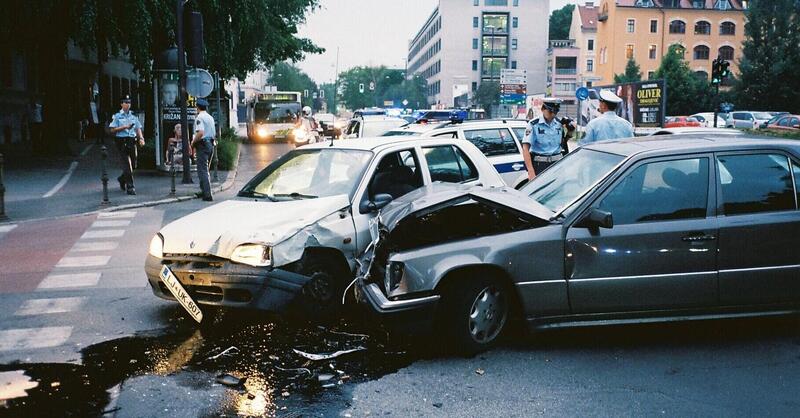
x,y
276,112
308,174
762,115
570,178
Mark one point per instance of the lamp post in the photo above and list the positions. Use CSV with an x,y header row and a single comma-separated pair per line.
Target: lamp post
x,y
187,175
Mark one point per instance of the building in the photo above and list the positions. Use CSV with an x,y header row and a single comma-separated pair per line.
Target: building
x,y
465,42
645,29
562,73
584,31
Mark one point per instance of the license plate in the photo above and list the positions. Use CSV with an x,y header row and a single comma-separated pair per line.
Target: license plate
x,y
180,293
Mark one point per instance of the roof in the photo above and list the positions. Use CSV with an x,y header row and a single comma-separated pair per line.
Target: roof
x,y
588,17
372,144
668,144
427,127
684,4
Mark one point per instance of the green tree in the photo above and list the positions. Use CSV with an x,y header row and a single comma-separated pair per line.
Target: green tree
x,y
240,36
686,93
287,77
768,67
632,73
389,84
560,21
487,95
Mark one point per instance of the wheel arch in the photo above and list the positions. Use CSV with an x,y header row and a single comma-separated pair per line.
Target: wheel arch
x,y
451,278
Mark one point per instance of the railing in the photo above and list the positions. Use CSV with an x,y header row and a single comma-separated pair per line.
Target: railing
x,y
566,71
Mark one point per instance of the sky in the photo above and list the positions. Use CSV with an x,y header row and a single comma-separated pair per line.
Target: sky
x,y
366,32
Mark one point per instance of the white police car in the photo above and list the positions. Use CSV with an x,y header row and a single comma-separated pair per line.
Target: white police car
x,y
498,139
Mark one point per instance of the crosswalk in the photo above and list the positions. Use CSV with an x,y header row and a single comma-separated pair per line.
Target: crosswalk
x,y
81,268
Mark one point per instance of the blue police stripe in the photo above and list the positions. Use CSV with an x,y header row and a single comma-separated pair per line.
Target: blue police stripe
x,y
507,167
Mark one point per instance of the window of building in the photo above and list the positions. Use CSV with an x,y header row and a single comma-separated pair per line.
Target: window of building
x,y
474,85
701,75
496,2
476,2
474,43
699,4
589,84
701,52
651,75
513,65
516,3
495,23
673,4
514,43
495,45
677,26
589,66
474,65
726,53
702,28
755,183
653,26
629,51
727,28
644,3
590,45
491,67
631,25
475,22
722,5
651,52
514,22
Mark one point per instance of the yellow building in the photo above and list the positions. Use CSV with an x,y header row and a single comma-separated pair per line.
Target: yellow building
x,y
645,29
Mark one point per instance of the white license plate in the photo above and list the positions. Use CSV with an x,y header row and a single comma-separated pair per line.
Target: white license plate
x,y
180,293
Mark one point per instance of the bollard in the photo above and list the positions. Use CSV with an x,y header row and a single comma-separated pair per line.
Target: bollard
x,y
215,161
3,216
104,177
172,169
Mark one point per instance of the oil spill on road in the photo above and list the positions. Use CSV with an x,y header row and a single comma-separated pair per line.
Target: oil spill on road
x,y
197,369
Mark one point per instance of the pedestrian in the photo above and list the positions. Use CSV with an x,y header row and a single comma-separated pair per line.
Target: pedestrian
x,y
608,125
542,145
203,144
126,129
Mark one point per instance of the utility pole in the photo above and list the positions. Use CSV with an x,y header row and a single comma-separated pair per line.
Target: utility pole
x,y
187,175
336,83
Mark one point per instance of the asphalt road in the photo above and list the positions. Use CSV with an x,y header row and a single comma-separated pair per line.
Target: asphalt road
x,y
84,335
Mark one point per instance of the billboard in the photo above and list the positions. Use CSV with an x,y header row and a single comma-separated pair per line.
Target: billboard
x,y
643,103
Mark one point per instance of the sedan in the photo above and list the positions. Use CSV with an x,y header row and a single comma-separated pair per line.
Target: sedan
x,y
638,230
785,123
682,122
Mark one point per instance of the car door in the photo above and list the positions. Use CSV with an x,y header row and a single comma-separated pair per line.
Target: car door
x,y
499,146
661,251
759,261
449,164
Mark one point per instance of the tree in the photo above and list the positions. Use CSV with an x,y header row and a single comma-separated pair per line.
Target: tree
x,y
632,73
389,85
240,36
686,93
487,95
287,77
560,21
770,61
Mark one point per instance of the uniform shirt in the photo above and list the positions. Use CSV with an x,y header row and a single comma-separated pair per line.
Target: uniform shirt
x,y
204,122
544,138
606,126
124,119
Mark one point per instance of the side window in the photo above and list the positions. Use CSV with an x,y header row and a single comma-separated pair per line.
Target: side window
x,y
468,170
796,172
396,174
795,122
784,121
755,183
492,142
660,191
443,164
738,116
748,116
520,133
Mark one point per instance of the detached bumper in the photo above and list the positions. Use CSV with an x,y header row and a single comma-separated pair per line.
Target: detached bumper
x,y
408,315
228,284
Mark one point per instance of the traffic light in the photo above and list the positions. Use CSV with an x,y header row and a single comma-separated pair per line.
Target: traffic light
x,y
724,71
716,68
196,47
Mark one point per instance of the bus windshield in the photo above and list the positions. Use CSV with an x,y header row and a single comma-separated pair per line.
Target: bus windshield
x,y
271,112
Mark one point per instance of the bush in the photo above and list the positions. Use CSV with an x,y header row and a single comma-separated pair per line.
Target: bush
x,y
776,134
228,148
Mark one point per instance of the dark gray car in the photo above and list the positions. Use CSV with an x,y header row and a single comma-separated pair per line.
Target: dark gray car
x,y
630,231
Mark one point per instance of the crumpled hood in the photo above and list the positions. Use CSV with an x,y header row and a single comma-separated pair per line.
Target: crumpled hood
x,y
218,229
440,195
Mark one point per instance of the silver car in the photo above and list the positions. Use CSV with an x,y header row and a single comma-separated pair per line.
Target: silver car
x,y
631,231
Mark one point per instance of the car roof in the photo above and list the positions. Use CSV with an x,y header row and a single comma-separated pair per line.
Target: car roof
x,y
684,130
668,144
427,127
373,118
375,143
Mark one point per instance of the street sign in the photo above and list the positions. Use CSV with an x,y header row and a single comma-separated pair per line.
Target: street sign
x,y
405,102
582,93
361,87
726,107
305,93
513,89
199,82
513,76
517,99
371,85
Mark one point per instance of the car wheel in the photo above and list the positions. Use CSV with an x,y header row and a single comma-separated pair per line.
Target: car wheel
x,y
322,294
477,312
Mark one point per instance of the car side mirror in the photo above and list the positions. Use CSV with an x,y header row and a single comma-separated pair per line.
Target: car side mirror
x,y
378,202
796,126
597,218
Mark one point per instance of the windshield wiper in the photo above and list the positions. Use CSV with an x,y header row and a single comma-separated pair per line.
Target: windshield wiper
x,y
295,195
255,194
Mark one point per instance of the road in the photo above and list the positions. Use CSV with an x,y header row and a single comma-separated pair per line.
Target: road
x,y
92,340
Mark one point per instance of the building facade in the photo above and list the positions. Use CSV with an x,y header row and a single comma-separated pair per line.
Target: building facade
x,y
562,73
645,29
466,42
583,30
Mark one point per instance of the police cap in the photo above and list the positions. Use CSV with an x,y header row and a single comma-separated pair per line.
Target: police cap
x,y
552,104
202,103
608,96
125,99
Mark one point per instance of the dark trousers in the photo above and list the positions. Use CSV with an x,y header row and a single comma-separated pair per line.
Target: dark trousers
x,y
203,153
539,166
127,159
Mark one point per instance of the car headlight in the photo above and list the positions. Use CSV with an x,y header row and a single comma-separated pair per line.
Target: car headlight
x,y
157,246
256,255
299,135
262,132
394,274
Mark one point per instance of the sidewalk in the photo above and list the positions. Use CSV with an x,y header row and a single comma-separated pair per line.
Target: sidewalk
x,y
40,188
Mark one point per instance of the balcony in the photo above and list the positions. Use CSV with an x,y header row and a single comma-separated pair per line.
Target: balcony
x,y
566,71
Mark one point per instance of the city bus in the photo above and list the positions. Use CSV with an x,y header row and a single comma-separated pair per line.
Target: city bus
x,y
272,116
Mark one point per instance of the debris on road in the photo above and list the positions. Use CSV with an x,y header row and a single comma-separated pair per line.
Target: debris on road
x,y
227,352
230,380
480,372
318,357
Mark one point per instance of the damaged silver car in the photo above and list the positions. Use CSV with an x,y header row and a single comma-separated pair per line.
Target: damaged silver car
x,y
629,231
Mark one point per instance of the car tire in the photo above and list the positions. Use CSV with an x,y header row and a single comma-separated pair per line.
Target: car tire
x,y
476,311
322,294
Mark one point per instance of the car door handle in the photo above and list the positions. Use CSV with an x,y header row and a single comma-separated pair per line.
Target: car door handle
x,y
698,237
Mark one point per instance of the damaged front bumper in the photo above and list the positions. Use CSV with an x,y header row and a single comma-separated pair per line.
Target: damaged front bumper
x,y
414,315
220,282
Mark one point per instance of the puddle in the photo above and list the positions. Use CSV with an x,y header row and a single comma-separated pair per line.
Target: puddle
x,y
244,363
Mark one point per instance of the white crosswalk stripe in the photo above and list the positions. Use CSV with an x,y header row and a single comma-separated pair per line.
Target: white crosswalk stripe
x,y
92,246
87,261
116,215
103,233
61,281
27,338
49,306
111,224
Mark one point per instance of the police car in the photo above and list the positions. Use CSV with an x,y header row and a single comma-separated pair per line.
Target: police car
x,y
498,139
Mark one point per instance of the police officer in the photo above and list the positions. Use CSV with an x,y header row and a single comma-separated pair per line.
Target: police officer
x,y
203,144
542,145
126,129
608,125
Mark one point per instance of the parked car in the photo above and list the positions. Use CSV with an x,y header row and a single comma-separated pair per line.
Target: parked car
x,y
697,130
616,232
706,119
371,126
681,122
369,111
747,120
785,123
498,139
297,226
327,121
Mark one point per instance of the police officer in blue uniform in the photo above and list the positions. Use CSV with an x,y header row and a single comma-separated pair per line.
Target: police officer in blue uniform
x,y
542,145
203,144
608,125
127,132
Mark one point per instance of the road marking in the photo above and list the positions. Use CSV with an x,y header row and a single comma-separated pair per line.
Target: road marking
x,y
63,180
110,224
116,215
49,306
86,150
60,281
103,233
7,228
94,246
27,338
86,261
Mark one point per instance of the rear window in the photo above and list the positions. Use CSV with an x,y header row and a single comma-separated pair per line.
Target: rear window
x,y
755,183
492,142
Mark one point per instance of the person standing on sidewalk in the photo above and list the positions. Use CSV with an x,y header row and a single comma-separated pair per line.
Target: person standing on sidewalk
x,y
127,129
608,125
203,144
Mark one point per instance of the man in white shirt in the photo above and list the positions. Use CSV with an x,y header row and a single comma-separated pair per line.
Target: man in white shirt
x,y
203,144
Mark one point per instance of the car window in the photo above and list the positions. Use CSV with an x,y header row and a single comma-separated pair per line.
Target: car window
x,y
520,133
396,174
468,170
444,164
796,172
660,191
453,134
699,118
755,183
492,142
784,122
738,116
794,122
